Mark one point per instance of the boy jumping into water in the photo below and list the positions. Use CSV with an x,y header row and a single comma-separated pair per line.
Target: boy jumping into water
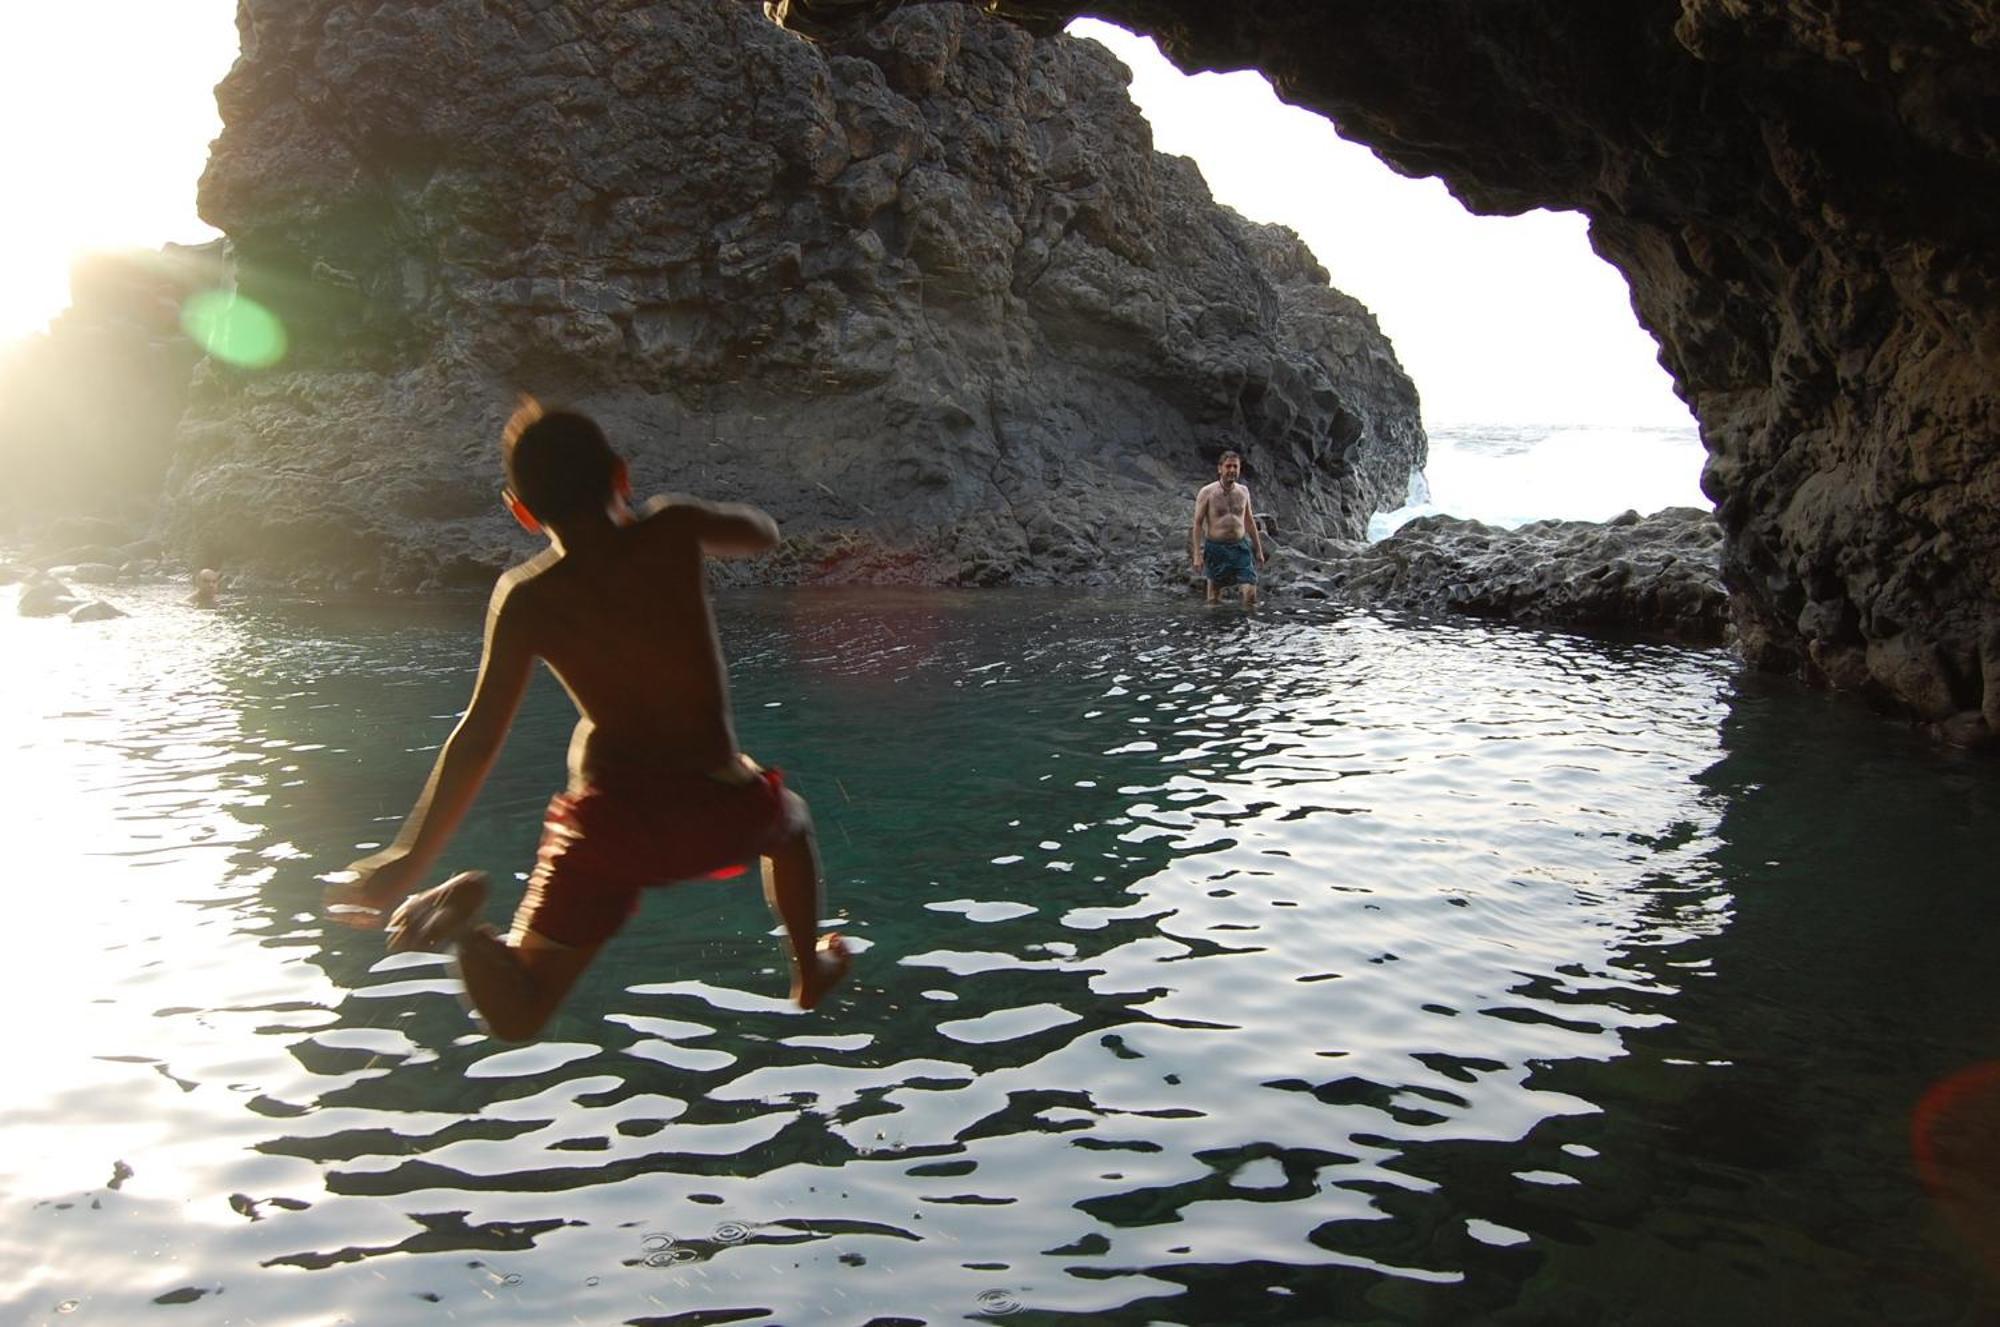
x,y
1218,544
658,791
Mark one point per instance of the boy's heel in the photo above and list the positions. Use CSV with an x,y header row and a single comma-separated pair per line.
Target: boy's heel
x,y
435,919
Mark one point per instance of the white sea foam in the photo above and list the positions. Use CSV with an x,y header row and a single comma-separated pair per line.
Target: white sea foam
x,y
1509,475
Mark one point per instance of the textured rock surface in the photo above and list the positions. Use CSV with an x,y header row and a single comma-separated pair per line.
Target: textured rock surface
x,y
1802,195
1656,575
928,295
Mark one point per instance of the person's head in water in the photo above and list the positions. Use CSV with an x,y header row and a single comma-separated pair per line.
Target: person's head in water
x,y
560,468
1229,468
207,588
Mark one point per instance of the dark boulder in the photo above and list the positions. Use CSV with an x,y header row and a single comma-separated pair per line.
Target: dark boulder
x,y
95,611
1656,576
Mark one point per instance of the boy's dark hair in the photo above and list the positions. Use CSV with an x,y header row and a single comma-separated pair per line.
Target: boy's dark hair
x,y
558,462
1227,455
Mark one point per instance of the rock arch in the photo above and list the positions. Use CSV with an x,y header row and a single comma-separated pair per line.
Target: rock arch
x,y
1802,197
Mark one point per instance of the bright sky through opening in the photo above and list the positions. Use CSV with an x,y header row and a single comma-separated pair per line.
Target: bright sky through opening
x,y
1499,320
109,107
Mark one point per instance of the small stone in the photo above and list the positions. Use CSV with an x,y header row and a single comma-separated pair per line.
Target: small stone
x,y
95,611
1967,728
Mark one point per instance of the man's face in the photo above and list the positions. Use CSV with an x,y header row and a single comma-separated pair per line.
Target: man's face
x,y
1229,470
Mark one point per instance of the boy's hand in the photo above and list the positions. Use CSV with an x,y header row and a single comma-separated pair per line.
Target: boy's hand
x,y
378,882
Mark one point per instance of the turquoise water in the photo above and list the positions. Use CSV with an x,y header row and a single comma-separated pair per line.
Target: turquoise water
x,y
1321,967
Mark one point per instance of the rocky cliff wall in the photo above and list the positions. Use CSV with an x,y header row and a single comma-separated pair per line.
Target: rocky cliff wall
x,y
927,294
1803,198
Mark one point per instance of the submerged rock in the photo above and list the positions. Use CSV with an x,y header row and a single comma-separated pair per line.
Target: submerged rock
x,y
95,611
44,597
1655,575
929,296
87,572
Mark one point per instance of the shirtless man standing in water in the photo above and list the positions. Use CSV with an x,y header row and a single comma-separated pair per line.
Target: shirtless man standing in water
x,y
658,791
1218,544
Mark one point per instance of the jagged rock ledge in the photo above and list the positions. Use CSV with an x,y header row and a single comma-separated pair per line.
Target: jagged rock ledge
x,y
1658,576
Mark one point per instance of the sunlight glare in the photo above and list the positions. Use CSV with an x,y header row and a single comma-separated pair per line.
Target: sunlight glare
x,y
110,108
131,845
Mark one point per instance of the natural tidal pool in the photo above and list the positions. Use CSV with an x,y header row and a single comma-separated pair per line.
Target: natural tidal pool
x,y
1316,967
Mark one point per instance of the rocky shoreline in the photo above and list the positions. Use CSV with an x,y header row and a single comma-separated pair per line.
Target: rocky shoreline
x,y
1656,576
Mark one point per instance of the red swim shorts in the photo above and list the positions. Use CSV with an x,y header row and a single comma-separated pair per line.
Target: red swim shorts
x,y
600,849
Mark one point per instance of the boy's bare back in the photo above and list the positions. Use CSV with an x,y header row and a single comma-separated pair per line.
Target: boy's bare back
x,y
625,624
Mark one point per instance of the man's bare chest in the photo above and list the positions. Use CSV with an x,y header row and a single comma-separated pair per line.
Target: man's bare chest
x,y
1228,503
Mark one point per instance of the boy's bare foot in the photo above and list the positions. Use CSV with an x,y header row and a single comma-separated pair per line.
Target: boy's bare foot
x,y
830,961
439,917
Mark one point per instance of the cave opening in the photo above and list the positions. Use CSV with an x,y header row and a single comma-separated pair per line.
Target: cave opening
x,y
1542,395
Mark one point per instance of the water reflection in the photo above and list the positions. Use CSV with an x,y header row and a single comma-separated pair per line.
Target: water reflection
x,y
1303,968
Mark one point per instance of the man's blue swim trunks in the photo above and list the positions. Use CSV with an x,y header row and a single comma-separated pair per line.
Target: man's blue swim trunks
x,y
1228,564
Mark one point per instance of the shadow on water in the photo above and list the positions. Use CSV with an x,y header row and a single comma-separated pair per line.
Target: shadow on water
x,y
1795,991
1310,967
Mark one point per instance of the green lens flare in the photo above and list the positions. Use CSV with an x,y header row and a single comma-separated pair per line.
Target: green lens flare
x,y
234,329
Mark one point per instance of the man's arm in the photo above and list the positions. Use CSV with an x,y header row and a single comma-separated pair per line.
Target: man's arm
x,y
462,765
1195,532
1250,524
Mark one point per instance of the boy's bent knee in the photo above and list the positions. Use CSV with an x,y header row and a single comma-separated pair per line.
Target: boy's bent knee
x,y
516,991
798,816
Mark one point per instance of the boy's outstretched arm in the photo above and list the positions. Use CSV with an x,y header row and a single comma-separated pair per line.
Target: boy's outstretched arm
x,y
731,529
383,878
